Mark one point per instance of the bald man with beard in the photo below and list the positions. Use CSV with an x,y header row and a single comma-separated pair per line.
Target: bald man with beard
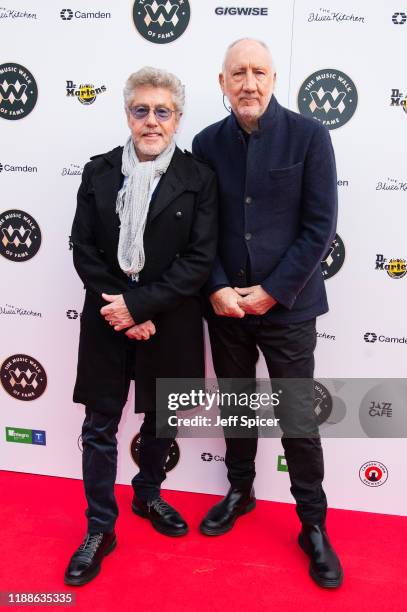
x,y
278,211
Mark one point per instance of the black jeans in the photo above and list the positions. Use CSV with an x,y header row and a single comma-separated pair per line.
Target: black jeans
x,y
289,353
99,465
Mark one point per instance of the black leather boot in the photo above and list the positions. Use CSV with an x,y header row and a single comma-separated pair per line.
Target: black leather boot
x,y
224,514
325,568
86,561
163,517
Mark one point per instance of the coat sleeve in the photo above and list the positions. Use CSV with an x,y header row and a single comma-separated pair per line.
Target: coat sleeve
x,y
189,272
217,277
319,208
87,257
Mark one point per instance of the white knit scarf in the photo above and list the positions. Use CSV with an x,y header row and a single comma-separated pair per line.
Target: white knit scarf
x,y
132,204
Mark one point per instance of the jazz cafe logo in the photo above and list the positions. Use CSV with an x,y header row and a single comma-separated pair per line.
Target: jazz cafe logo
x,y
86,93
329,96
172,458
160,22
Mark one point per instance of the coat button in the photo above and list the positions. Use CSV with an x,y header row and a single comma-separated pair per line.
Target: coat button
x,y
248,200
248,236
177,255
178,214
241,272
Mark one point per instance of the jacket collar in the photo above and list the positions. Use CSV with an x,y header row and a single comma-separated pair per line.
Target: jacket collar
x,y
267,120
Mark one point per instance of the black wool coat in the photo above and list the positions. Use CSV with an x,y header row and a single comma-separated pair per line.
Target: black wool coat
x,y
180,246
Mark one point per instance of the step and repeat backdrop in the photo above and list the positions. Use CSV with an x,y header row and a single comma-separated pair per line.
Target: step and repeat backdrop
x,y
62,70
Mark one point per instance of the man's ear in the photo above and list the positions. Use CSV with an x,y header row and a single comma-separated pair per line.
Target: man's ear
x,y
222,82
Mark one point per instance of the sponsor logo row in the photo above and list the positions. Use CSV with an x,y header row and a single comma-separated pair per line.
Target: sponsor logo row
x,y
328,96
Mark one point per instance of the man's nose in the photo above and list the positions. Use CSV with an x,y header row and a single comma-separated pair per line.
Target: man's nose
x,y
151,119
249,82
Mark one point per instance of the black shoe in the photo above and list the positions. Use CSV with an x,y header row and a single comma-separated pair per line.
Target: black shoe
x,y
85,563
163,517
224,514
325,568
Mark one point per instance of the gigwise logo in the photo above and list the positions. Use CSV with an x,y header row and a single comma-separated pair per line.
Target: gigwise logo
x,y
399,18
172,459
21,169
373,473
397,98
20,235
26,436
329,96
68,14
207,457
23,377
396,268
86,94
161,22
255,11
372,337
18,91
333,260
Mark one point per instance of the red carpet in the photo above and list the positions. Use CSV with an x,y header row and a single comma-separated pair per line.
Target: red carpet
x,y
257,566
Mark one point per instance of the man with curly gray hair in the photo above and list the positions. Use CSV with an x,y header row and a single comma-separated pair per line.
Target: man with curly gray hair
x,y
144,240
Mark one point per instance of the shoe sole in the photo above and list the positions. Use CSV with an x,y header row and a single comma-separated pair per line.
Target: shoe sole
x,y
162,530
214,532
95,572
327,583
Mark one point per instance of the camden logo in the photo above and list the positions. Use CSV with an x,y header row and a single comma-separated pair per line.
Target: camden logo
x,y
72,170
18,91
171,461
325,14
397,98
20,235
373,473
26,436
333,260
26,169
23,377
322,402
68,14
73,314
255,11
329,96
396,268
207,457
391,184
161,22
399,18
373,337
86,94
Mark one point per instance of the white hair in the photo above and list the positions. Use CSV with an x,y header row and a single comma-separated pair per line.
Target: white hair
x,y
155,77
260,42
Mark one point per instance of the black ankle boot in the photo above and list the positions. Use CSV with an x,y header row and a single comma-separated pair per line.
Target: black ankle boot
x,y
86,561
325,568
224,514
163,517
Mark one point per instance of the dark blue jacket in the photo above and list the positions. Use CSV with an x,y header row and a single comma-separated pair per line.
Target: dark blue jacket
x,y
278,208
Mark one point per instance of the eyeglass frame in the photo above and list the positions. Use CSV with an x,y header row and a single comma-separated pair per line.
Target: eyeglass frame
x,y
154,109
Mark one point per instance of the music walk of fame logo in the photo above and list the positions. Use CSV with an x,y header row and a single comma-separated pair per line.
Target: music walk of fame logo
x,y
23,377
161,22
322,402
329,96
373,473
18,91
20,235
333,260
171,461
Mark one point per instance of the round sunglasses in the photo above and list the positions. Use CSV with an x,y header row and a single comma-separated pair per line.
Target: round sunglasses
x,y
162,113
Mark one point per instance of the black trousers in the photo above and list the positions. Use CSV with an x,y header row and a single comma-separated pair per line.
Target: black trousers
x,y
99,466
289,353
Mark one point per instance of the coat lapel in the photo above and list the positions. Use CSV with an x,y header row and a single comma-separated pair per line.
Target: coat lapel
x,y
106,187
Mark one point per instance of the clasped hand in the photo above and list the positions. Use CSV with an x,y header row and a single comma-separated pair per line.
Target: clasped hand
x,y
117,315
237,302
